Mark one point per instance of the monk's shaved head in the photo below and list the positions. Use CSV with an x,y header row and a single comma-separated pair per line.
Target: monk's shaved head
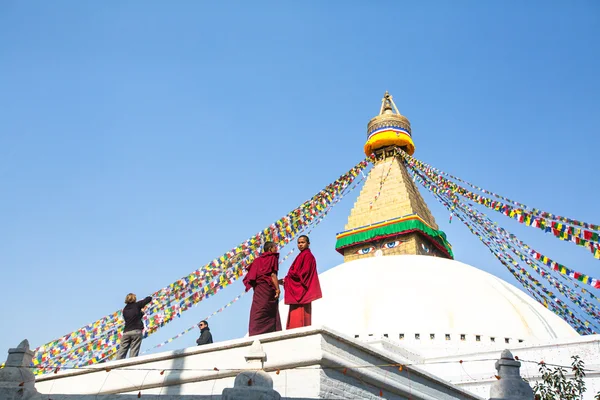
x,y
303,242
269,246
305,237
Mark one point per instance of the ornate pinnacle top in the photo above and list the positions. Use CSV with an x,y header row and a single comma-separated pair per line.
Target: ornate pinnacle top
x,y
389,128
389,116
387,105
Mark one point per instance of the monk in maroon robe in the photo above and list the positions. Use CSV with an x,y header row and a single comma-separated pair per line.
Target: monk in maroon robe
x,y
262,277
302,286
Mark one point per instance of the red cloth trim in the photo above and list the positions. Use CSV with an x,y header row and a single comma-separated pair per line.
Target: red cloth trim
x,y
300,315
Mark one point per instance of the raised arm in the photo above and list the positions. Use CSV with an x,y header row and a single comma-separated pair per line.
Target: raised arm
x,y
143,303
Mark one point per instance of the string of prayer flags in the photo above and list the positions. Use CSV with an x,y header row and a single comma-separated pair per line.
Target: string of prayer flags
x,y
99,340
499,249
563,231
535,211
382,182
572,275
493,232
101,349
211,315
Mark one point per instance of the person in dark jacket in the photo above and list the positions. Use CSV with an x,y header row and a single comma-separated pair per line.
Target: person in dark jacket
x,y
134,326
205,335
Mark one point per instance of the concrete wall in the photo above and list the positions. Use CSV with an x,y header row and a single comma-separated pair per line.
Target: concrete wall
x,y
476,374
307,363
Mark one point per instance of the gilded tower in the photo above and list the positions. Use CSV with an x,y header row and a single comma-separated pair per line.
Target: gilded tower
x,y
390,216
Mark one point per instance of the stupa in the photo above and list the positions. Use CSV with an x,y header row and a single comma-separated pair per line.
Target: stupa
x,y
399,280
390,217
399,318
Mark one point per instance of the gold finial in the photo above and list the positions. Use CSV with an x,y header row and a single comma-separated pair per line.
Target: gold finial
x,y
387,105
389,128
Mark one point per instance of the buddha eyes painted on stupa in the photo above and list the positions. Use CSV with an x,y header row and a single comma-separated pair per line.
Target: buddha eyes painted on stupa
x,y
366,250
382,245
392,244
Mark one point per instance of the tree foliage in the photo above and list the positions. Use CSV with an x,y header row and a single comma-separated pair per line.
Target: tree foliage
x,y
556,386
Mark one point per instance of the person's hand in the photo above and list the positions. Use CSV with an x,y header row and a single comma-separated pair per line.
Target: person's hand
x,y
277,292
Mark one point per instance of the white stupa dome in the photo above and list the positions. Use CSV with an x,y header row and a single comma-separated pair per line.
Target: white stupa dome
x,y
439,305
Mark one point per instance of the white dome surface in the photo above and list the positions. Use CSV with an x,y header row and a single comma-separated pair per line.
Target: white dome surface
x,y
432,302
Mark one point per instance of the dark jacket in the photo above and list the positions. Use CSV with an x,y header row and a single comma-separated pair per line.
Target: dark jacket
x,y
205,337
132,314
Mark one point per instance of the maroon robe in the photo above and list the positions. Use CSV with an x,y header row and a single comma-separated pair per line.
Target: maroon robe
x,y
264,314
302,287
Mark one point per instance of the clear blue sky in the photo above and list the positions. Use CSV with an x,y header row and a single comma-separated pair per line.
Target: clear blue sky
x,y
139,140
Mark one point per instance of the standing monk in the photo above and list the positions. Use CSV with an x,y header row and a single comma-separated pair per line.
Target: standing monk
x,y
262,277
301,286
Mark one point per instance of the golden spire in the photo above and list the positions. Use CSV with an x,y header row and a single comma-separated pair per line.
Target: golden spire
x,y
390,217
388,105
389,128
